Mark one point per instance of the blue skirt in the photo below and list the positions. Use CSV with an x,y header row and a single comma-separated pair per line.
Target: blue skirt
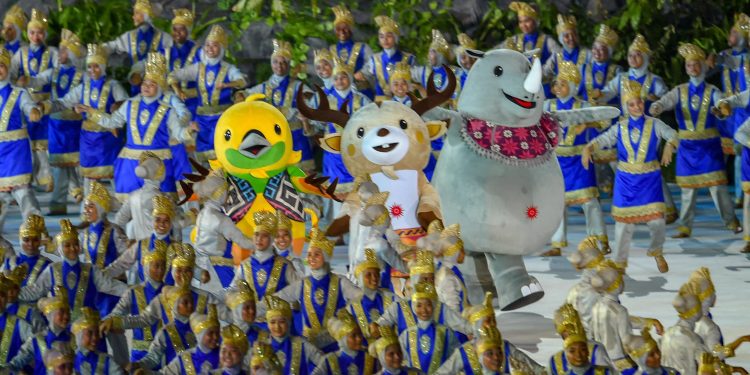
x,y
637,197
38,130
64,142
15,163
302,144
333,167
580,183
204,142
700,163
126,181
180,162
99,151
745,169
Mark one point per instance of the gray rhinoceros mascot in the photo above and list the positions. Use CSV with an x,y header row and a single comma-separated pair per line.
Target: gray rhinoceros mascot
x,y
498,175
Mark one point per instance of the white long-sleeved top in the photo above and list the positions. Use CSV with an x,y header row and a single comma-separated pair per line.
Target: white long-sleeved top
x,y
24,101
152,313
125,260
124,305
155,355
74,96
612,89
214,229
449,287
119,118
710,333
611,325
738,100
583,297
451,318
681,348
15,61
610,136
26,353
45,282
291,274
122,43
669,100
112,368
137,210
175,366
548,70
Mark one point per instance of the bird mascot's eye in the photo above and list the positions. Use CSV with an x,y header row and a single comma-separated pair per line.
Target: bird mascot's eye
x,y
498,71
227,134
402,124
360,132
277,129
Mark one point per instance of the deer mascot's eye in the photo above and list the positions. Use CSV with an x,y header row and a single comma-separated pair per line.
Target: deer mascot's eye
x,y
403,124
277,129
227,134
360,132
498,71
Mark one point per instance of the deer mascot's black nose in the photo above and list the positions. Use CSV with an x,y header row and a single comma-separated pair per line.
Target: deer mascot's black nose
x,y
383,132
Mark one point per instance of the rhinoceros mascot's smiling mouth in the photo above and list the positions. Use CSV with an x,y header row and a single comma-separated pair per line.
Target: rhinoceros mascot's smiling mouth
x,y
498,176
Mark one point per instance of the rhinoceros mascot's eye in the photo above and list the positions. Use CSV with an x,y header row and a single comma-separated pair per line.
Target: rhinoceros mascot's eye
x,y
277,129
403,124
360,132
498,71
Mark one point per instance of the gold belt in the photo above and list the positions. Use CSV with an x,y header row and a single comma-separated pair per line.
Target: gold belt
x,y
91,126
638,168
13,135
133,154
38,96
569,150
190,93
221,261
212,109
695,135
623,363
142,345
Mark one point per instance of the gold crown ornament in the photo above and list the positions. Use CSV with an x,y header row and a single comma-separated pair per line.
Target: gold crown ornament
x,y
691,52
424,291
219,35
606,36
265,221
156,69
38,20
639,346
281,48
342,325
640,45
143,6
567,320
283,222
173,294
33,226
440,45
163,205
686,303
401,70
465,42
234,336
183,17
5,57
702,277
96,54
318,239
157,254
201,322
370,261
424,262
568,72
452,231
387,25
184,255
523,9
61,353
387,338
630,90
340,66
342,15
17,275
277,308
323,54
488,338
15,16
89,318
565,24
263,355
239,296
5,284
72,42
480,312
588,255
67,232
58,301
100,195
742,24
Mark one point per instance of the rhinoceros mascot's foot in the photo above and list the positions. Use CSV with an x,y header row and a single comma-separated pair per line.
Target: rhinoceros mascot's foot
x,y
503,275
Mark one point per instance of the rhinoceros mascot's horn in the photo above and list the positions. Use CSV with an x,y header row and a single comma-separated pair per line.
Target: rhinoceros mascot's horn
x,y
498,175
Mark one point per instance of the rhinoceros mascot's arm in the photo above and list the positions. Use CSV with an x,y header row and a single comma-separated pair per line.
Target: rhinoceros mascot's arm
x,y
498,176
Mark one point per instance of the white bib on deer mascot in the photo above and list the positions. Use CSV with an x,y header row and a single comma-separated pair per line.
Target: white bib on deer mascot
x,y
498,175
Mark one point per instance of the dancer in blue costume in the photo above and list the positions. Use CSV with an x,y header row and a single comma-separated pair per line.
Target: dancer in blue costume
x,y
387,350
243,309
29,61
103,242
645,352
65,125
283,242
567,322
323,61
381,64
580,182
487,354
354,54
99,146
234,348
31,234
638,195
90,360
446,243
16,331
280,90
13,24
295,354
16,165
367,308
139,42
571,51
700,162
576,355
204,356
139,296
216,78
464,61
24,311
352,356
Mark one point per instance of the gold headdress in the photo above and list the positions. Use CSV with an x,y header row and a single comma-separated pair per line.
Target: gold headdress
x,y
606,36
219,35
143,6
638,346
96,53
174,293
242,294
639,44
323,54
452,231
342,15
588,255
568,72
523,9
340,66
608,277
342,325
686,302
568,322
202,322
15,16
89,318
424,262
630,90
32,227
156,69
183,17
263,355
265,221
387,25
17,275
370,261
98,194
488,338
424,291
163,205
440,45
282,48
58,301
318,239
277,307
67,232
159,253
742,24
464,43
38,20
60,354
702,277
401,70
184,255
565,24
387,338
283,222
5,284
233,335
72,42
5,57
691,52
479,312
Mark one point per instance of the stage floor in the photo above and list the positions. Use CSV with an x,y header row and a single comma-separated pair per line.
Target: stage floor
x,y
647,292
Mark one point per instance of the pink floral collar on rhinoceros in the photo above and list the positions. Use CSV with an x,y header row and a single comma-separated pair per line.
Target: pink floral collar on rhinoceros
x,y
520,146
